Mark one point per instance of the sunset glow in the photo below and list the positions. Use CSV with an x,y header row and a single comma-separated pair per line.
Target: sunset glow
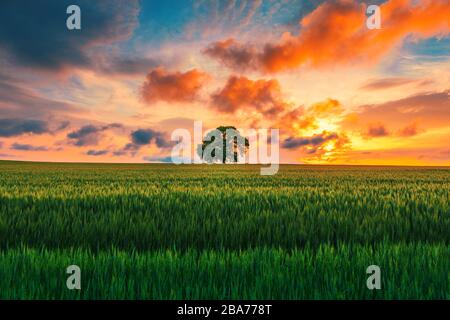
x,y
339,92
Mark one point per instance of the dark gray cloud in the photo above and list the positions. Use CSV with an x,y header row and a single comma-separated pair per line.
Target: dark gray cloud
x,y
84,136
16,127
315,140
89,135
129,148
146,136
142,137
34,33
97,152
27,147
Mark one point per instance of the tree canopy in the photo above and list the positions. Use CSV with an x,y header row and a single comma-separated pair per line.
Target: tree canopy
x,y
223,144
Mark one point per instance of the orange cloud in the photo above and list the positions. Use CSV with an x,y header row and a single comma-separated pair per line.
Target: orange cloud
x,y
324,37
296,120
328,107
336,32
173,87
262,95
409,130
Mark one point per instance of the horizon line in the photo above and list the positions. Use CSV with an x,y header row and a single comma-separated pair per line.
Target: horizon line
x,y
253,164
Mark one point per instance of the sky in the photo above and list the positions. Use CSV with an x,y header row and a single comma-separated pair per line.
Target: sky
x,y
115,90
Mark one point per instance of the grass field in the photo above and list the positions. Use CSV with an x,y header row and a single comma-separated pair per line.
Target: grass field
x,y
223,231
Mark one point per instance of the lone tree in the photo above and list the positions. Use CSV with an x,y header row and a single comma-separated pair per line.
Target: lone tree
x,y
231,144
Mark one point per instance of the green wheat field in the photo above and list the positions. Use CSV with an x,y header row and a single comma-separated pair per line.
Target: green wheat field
x,y
160,231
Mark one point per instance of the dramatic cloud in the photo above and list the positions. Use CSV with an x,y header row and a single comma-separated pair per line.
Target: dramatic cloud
x,y
27,147
89,135
336,33
324,147
97,152
296,120
105,72
33,36
262,95
16,127
173,86
314,141
233,54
